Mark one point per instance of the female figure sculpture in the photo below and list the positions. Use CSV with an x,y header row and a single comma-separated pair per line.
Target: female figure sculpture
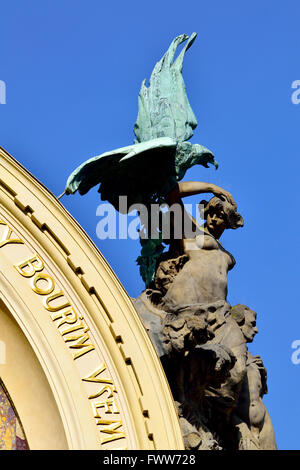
x,y
184,306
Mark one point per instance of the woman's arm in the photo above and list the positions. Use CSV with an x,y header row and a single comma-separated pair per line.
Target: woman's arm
x,y
190,188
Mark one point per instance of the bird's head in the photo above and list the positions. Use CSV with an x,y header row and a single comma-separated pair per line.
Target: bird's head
x,y
203,156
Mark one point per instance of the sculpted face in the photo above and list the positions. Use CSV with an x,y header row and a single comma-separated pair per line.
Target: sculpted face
x,y
249,328
220,214
216,221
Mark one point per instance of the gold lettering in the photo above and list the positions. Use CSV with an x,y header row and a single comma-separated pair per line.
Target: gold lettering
x,y
7,234
42,277
56,295
107,404
68,316
79,344
31,268
34,264
105,388
79,326
94,378
112,427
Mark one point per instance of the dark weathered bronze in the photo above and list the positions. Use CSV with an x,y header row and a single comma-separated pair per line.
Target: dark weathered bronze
x,y
149,169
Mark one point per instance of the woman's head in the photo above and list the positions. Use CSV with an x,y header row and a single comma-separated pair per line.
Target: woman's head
x,y
220,215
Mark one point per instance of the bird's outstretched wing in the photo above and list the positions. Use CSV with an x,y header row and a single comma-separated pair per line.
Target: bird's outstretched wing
x,y
163,107
130,171
91,172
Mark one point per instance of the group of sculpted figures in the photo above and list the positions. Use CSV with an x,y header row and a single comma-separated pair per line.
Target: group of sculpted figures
x,y
201,340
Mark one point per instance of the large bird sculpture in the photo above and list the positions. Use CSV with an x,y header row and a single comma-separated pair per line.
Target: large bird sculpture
x,y
149,169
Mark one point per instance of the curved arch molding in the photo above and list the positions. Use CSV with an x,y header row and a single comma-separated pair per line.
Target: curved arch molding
x,y
79,365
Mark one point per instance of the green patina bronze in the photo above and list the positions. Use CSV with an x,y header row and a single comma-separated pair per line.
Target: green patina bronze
x,y
149,169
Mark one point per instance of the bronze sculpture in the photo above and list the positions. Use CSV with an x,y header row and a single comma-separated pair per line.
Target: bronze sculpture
x,y
147,171
199,337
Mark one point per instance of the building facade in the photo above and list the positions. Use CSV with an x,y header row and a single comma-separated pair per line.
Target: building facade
x,y
77,368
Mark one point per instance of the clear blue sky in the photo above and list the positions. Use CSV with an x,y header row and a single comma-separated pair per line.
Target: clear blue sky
x,y
73,71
